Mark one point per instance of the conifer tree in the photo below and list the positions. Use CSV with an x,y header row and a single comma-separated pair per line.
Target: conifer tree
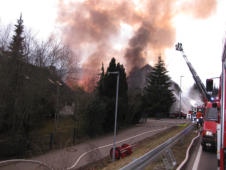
x,y
17,44
158,96
105,100
100,84
15,112
16,75
106,86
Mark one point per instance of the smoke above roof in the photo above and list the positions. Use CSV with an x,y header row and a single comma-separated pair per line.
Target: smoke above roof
x,y
92,28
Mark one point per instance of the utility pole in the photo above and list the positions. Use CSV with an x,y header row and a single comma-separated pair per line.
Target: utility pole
x,y
180,92
116,111
58,84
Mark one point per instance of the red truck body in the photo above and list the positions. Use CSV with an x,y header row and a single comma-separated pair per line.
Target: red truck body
x,y
209,132
178,115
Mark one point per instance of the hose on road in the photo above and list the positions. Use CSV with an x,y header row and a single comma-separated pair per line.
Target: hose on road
x,y
187,153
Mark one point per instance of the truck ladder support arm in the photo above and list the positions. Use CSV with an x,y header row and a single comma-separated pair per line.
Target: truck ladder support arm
x,y
196,78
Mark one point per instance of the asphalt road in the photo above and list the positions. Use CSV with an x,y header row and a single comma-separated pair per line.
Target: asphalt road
x,y
96,149
202,160
208,160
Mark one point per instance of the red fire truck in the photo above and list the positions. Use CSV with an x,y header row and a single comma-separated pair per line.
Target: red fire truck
x,y
211,108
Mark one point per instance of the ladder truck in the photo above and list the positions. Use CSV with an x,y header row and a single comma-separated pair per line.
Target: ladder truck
x,y
211,109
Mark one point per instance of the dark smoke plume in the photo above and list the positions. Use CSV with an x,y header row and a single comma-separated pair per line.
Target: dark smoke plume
x,y
137,44
90,27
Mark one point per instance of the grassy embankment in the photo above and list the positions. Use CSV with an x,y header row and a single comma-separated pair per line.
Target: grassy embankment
x,y
144,146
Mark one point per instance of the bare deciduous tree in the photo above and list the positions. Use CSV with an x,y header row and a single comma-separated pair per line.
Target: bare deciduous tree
x,y
5,35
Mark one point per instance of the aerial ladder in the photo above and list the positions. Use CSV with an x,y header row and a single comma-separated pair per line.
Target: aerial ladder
x,y
196,78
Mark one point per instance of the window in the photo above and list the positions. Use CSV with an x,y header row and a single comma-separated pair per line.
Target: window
x,y
211,114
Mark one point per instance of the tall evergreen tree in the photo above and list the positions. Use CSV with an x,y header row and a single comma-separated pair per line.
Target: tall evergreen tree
x,y
16,60
17,44
16,76
158,96
15,114
107,84
123,86
110,80
100,84
109,93
105,99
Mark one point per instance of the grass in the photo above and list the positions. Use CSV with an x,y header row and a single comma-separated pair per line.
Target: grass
x,y
178,150
183,125
139,149
62,138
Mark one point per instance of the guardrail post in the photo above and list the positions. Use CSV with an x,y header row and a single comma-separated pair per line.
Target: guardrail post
x,y
182,140
168,159
165,162
172,158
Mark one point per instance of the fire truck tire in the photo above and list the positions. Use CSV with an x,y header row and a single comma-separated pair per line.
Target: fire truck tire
x,y
204,148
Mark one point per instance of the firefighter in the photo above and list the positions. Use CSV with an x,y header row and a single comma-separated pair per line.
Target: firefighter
x,y
199,119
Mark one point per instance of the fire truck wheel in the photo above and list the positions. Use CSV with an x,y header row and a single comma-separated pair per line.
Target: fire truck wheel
x,y
204,148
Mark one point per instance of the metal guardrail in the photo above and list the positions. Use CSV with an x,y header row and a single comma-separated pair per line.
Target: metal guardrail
x,y
143,161
14,161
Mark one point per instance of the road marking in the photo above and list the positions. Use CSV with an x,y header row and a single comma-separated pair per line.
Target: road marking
x,y
111,144
197,159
